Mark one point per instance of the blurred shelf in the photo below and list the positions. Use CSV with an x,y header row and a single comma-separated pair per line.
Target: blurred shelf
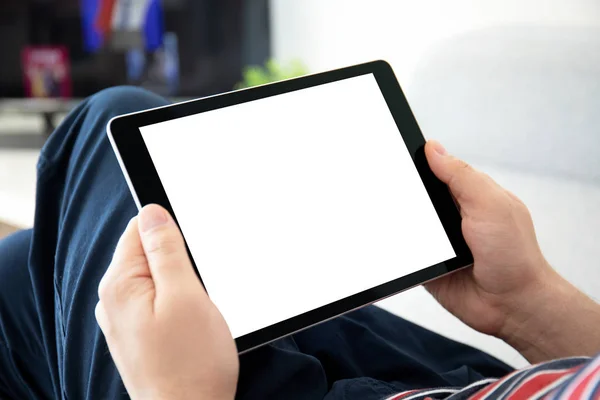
x,y
37,106
21,141
48,109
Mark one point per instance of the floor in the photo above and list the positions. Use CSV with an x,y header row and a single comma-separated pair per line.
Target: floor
x,y
6,229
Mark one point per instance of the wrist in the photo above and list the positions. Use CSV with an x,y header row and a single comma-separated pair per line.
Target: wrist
x,y
552,319
527,314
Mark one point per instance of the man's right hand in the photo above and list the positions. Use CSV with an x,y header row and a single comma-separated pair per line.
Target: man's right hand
x,y
511,292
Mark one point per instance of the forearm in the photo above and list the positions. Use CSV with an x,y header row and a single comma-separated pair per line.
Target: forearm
x,y
556,321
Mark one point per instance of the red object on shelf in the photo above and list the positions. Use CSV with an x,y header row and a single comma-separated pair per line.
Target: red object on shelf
x,y
105,16
47,71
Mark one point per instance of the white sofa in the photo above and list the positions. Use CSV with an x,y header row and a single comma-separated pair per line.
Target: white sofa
x,y
522,104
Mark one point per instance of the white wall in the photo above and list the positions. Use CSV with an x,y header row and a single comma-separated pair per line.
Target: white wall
x,y
332,33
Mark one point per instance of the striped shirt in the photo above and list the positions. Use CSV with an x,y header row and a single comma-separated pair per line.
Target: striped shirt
x,y
567,378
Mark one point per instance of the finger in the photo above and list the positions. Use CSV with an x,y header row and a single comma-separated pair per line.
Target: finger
x,y
128,272
165,249
101,318
457,204
513,196
130,236
466,183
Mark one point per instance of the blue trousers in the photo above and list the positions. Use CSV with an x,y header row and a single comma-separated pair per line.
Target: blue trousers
x,y
52,348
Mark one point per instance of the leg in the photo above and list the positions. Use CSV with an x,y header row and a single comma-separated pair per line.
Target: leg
x,y
21,350
373,343
83,205
367,354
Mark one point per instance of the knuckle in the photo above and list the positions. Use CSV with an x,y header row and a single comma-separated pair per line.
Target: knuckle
x,y
98,312
519,208
102,319
102,292
114,290
117,273
103,288
464,167
462,170
120,290
135,261
515,199
164,244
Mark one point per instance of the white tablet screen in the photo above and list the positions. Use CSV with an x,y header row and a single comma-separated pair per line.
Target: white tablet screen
x,y
292,202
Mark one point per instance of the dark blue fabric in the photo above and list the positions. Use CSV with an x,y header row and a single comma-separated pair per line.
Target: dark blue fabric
x,y
51,346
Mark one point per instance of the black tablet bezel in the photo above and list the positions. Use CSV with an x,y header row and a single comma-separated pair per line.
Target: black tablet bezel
x,y
145,183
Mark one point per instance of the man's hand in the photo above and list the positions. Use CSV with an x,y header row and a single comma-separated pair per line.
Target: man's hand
x,y
511,292
166,337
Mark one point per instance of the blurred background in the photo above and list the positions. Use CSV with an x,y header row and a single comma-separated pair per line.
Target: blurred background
x,y
512,86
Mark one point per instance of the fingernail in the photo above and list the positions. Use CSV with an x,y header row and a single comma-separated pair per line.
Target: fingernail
x,y
437,146
152,216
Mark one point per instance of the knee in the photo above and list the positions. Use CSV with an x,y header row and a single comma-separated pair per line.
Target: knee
x,y
124,99
14,254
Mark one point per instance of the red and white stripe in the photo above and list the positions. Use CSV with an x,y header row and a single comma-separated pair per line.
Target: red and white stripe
x,y
582,386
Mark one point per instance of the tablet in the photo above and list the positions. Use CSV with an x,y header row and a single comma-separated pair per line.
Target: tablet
x,y
299,200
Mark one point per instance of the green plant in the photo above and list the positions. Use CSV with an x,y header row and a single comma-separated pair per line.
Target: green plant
x,y
272,71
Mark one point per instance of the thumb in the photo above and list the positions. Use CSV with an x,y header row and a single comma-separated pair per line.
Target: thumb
x,y
128,267
466,183
165,249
